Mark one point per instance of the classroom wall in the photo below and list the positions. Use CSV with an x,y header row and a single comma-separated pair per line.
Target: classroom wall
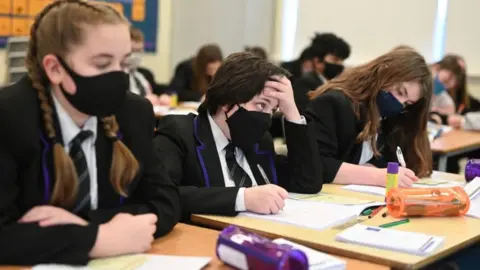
x,y
231,24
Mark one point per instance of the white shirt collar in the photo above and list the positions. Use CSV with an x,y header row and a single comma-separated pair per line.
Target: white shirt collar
x,y
68,126
220,140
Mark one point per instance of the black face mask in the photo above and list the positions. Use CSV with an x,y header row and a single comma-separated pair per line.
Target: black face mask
x,y
332,70
99,95
248,127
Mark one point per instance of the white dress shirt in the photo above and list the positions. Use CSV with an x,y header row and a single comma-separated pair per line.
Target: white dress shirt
x,y
134,88
69,132
221,142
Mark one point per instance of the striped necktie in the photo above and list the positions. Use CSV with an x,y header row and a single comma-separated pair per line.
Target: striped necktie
x,y
238,175
82,203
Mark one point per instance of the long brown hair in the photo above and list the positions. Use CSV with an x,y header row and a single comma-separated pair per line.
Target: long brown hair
x,y
409,131
59,26
207,54
459,94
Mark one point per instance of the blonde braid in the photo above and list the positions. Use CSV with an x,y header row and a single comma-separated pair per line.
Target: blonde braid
x,y
124,166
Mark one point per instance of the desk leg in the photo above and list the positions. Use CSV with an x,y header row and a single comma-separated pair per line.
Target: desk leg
x,y
442,163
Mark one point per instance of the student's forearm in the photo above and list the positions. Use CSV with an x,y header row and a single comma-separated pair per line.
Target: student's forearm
x,y
356,174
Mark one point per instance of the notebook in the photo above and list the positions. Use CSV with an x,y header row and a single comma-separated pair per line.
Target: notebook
x,y
327,198
373,190
390,239
316,216
316,260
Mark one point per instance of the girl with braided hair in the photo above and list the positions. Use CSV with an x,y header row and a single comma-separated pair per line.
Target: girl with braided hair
x,y
78,176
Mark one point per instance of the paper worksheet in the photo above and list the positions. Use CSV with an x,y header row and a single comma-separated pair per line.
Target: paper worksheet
x,y
327,198
373,190
473,188
317,216
136,262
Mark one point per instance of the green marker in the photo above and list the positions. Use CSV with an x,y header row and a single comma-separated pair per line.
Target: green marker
x,y
367,212
395,223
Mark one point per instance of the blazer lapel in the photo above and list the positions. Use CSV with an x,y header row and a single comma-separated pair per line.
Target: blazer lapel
x,y
207,151
107,197
262,164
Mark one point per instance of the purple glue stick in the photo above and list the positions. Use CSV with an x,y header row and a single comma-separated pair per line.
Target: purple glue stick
x,y
244,250
472,169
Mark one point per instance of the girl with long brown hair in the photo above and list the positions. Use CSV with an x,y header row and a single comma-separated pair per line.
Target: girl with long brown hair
x,y
79,179
363,115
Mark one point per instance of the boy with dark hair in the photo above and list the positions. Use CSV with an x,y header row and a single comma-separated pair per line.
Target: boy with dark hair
x,y
223,159
329,52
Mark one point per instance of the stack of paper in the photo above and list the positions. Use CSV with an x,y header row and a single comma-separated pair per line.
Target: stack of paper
x,y
391,239
473,190
317,216
317,260
136,262
373,190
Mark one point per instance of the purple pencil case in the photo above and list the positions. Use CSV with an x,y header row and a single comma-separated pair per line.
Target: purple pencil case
x,y
244,250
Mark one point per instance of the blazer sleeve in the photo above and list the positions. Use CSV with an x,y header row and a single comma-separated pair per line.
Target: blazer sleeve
x,y
153,192
301,170
172,151
327,113
301,87
29,244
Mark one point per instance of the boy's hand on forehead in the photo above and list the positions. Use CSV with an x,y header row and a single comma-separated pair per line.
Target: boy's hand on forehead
x,y
279,87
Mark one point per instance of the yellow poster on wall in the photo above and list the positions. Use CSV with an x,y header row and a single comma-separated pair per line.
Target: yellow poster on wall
x,y
20,27
138,10
5,7
5,26
36,6
20,7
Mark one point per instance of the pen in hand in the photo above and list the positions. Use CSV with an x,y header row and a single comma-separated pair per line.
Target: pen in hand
x,y
400,157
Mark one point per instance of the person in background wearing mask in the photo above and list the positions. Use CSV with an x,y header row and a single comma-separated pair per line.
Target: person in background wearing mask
x,y
447,74
192,76
223,160
363,115
300,66
328,52
142,81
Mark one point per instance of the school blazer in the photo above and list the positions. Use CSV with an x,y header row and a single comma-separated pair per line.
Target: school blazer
x,y
335,128
302,86
186,146
27,179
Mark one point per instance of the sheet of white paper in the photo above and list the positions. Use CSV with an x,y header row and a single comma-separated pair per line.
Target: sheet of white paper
x,y
474,210
317,216
473,188
316,259
156,262
181,112
374,190
136,262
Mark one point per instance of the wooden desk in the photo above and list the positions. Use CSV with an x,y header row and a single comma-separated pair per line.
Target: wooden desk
x,y
454,143
459,232
187,240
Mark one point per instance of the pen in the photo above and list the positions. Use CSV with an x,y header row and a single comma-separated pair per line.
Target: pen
x,y
376,211
400,157
264,175
395,223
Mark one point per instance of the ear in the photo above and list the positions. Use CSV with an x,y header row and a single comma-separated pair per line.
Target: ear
x,y
57,74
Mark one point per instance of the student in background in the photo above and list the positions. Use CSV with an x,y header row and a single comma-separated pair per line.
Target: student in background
x,y
258,51
192,77
447,74
223,160
77,181
329,52
300,66
142,81
361,116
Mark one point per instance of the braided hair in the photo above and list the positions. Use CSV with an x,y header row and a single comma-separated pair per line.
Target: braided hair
x,y
58,26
